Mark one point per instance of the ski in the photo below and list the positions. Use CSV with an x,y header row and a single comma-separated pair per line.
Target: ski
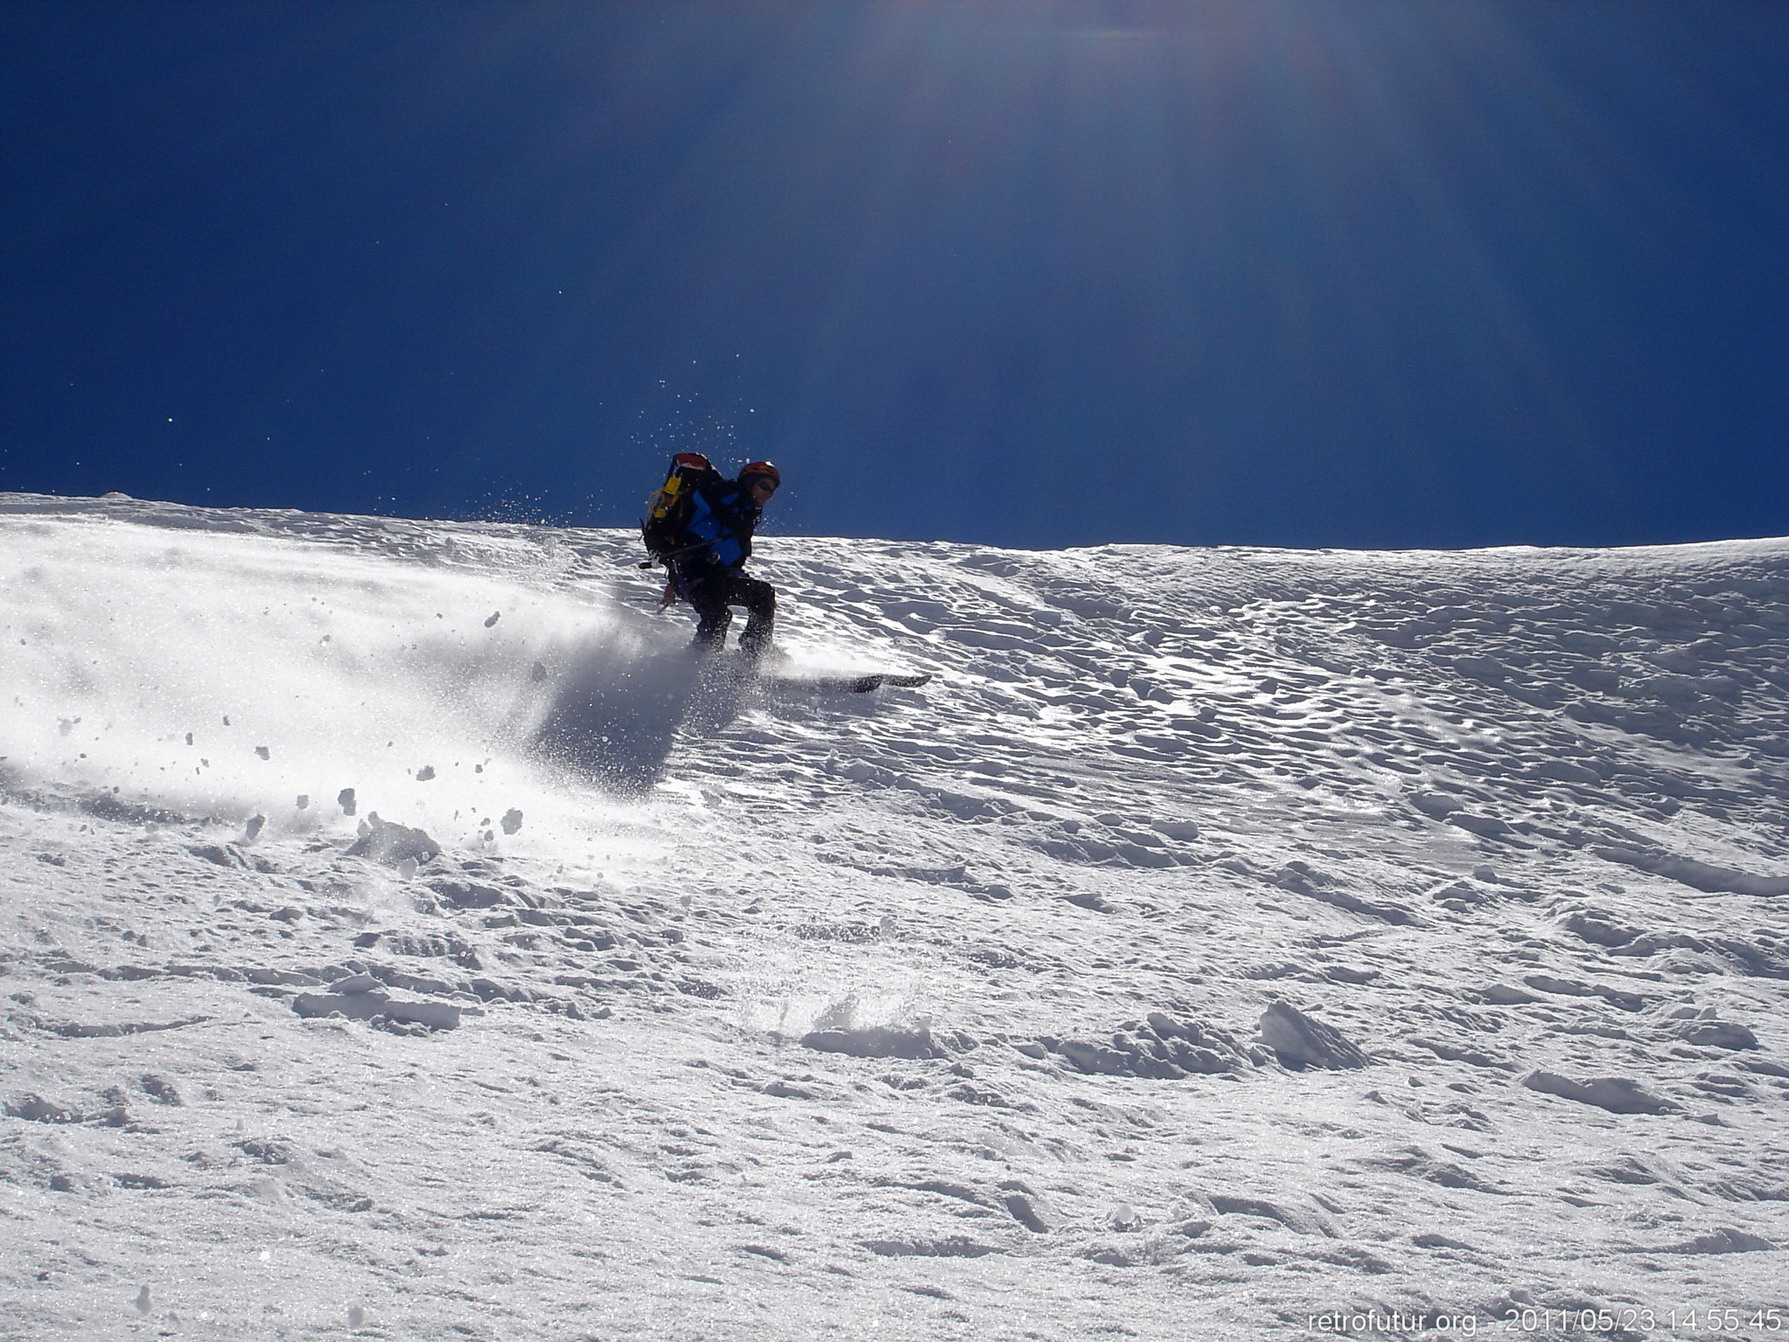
x,y
863,684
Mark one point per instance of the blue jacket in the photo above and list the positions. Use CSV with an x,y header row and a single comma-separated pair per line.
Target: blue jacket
x,y
722,519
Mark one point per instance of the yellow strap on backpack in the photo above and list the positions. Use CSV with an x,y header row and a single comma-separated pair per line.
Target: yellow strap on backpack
x,y
665,499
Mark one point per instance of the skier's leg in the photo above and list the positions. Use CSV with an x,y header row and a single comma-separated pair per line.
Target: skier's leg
x,y
759,600
709,598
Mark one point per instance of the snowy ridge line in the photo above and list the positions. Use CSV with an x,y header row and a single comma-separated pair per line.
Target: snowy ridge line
x,y
1252,935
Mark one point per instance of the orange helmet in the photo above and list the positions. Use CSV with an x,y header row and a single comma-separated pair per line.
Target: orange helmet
x,y
764,468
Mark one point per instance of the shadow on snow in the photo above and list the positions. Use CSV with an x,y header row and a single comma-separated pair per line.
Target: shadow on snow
x,y
616,713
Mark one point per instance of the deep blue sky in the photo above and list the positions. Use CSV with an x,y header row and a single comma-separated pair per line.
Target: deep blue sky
x,y
1029,272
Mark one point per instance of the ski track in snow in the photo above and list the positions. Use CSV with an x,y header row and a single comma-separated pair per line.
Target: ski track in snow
x,y
1224,938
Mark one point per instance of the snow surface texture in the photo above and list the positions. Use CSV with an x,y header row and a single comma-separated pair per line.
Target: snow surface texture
x,y
1222,940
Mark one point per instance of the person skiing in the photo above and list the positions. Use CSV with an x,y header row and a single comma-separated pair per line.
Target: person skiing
x,y
707,565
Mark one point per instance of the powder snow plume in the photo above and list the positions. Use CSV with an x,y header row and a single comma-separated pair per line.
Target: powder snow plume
x,y
243,673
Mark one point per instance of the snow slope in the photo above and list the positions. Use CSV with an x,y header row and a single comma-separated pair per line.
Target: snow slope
x,y
1226,941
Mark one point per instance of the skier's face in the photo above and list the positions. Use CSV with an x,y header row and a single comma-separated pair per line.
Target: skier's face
x,y
762,488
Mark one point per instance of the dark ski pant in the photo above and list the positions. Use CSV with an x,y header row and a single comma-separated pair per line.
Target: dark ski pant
x,y
714,591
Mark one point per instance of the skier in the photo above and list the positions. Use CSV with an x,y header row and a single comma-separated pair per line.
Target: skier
x,y
707,565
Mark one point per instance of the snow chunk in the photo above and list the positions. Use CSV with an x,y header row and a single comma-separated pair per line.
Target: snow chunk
x,y
385,842
1438,805
373,1005
1717,1034
1724,1240
875,1041
1302,1041
1617,1094
1704,876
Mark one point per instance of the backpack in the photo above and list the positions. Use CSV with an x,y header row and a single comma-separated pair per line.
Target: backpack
x,y
668,510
